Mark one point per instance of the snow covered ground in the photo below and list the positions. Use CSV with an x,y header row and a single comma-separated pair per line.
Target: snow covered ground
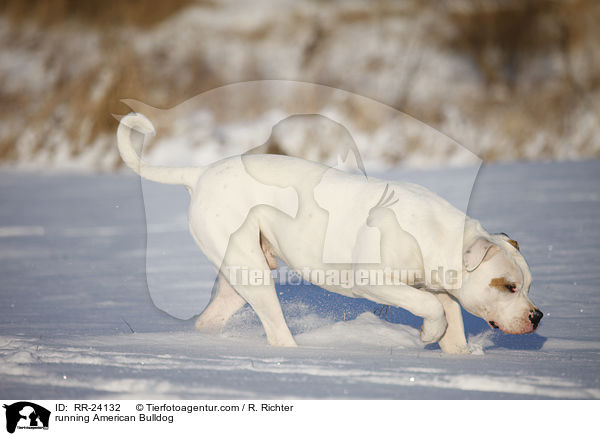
x,y
77,319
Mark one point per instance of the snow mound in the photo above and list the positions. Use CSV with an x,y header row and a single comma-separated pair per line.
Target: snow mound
x,y
366,330
321,330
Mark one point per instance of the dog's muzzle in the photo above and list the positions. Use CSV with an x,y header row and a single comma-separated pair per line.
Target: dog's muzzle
x,y
535,315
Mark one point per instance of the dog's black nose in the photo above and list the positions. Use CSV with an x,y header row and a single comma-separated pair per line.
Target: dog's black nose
x,y
535,316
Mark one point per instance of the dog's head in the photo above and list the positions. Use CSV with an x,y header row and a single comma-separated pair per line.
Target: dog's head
x,y
496,281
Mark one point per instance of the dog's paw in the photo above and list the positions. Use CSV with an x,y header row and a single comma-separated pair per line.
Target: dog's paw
x,y
453,348
454,342
433,329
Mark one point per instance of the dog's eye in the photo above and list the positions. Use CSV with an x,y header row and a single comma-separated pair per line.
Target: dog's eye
x,y
502,284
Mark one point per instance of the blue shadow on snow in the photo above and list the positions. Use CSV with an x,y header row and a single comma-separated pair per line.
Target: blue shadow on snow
x,y
339,308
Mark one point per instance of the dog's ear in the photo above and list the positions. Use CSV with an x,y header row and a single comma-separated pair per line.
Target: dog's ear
x,y
510,240
473,255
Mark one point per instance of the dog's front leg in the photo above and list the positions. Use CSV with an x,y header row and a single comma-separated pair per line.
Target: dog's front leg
x,y
453,341
418,302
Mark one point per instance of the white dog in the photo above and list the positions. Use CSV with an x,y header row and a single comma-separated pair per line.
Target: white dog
x,y
426,256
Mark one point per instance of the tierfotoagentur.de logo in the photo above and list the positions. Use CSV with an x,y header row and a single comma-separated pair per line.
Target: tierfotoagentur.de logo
x,y
24,415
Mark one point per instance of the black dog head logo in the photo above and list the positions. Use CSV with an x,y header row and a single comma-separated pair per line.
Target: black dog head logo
x,y
30,415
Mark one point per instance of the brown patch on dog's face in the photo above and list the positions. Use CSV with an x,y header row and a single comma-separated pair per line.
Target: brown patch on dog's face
x,y
514,243
503,283
498,281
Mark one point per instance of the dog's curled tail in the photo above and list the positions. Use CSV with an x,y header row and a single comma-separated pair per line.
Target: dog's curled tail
x,y
169,175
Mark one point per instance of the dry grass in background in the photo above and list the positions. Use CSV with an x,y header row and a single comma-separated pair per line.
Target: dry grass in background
x,y
509,79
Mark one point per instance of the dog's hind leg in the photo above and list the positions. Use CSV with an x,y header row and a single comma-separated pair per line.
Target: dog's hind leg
x,y
263,299
244,253
224,304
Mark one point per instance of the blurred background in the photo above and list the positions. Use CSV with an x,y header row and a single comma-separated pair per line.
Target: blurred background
x,y
508,79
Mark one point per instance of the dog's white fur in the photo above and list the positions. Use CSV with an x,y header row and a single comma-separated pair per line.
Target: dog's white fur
x,y
248,210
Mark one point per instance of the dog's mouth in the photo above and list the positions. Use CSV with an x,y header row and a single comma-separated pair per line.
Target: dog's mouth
x,y
531,328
